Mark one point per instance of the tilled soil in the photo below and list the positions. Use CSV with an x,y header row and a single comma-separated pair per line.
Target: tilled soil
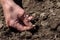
x,y
46,18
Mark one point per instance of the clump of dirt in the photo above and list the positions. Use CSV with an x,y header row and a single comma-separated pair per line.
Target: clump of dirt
x,y
46,18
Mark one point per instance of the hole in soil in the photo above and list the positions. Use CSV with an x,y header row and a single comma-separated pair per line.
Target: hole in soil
x,y
33,22
34,30
11,29
46,18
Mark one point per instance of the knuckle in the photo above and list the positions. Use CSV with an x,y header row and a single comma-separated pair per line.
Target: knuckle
x,y
9,22
21,12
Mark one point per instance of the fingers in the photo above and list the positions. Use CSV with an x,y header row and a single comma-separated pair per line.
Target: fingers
x,y
27,20
18,26
23,28
30,18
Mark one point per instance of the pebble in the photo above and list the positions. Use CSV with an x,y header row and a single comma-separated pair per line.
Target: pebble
x,y
53,26
58,29
44,23
52,12
35,36
25,2
42,14
58,4
26,34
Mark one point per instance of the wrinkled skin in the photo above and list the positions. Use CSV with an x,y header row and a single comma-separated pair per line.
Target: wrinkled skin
x,y
15,16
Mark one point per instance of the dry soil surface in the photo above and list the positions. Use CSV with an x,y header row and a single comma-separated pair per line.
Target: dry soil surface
x,y
46,18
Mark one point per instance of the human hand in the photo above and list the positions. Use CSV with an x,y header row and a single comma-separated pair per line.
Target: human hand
x,y
15,16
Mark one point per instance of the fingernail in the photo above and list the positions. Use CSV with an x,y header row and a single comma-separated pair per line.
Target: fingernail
x,y
30,18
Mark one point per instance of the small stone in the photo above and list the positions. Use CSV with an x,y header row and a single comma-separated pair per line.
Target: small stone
x,y
53,26
35,36
34,15
58,29
22,34
44,23
51,10
53,14
26,34
44,16
58,4
25,3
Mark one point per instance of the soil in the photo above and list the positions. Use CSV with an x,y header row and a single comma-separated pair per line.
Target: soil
x,y
46,18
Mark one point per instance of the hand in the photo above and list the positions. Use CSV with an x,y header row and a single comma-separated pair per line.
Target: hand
x,y
15,17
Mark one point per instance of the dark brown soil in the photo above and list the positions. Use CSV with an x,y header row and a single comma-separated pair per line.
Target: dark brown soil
x,y
47,21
